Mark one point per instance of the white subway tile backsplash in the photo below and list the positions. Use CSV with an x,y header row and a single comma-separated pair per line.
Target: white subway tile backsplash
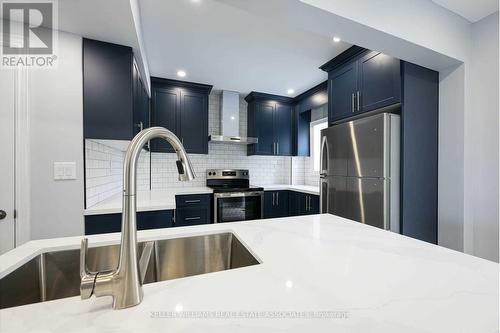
x,y
104,171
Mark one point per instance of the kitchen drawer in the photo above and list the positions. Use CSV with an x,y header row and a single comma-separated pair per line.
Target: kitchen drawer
x,y
192,216
106,223
192,200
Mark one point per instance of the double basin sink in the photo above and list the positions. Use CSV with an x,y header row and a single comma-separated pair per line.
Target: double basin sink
x,y
55,275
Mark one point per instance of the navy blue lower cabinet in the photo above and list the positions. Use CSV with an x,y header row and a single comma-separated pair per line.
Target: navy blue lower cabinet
x,y
276,204
106,223
193,209
303,204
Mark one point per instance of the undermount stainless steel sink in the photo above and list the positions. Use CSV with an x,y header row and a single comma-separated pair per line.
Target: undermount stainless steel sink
x,y
55,275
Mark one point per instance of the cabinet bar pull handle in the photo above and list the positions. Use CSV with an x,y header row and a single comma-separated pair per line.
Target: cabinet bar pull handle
x,y
277,148
192,201
352,102
273,198
277,198
358,97
192,218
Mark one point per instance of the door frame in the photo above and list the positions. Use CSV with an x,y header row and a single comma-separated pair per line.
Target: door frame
x,y
22,159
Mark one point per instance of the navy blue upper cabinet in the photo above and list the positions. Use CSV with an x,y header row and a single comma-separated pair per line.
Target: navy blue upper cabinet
x,y
342,89
181,107
283,129
270,120
165,105
379,81
263,119
360,80
113,99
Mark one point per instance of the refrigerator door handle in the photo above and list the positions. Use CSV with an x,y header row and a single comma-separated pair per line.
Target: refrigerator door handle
x,y
324,156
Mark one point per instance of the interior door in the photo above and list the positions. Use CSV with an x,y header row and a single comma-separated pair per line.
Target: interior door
x,y
7,153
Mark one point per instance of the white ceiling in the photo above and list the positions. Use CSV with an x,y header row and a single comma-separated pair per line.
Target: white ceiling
x,y
471,10
231,48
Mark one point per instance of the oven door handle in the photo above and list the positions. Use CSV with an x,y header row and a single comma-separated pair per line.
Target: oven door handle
x,y
238,194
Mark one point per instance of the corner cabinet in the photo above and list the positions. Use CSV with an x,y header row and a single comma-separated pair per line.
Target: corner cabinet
x,y
181,107
270,119
360,81
115,98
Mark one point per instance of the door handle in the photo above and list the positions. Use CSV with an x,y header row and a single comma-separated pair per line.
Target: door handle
x,y
352,102
358,97
3,214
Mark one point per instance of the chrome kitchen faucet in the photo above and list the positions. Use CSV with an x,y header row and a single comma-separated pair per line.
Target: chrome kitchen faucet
x,y
125,283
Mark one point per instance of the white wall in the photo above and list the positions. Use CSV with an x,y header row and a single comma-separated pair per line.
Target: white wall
x,y
451,158
481,142
56,134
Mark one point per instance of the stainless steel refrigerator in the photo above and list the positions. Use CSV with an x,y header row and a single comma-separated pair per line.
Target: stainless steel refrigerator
x,y
359,174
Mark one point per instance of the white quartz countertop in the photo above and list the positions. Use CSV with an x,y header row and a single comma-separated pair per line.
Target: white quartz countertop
x,y
146,200
298,188
364,279
165,199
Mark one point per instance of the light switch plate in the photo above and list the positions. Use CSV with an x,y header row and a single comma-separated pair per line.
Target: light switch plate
x,y
64,170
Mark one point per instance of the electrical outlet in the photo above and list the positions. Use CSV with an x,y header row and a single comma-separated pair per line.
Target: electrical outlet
x,y
64,170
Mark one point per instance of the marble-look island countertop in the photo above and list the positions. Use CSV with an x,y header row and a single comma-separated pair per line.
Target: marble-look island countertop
x,y
364,279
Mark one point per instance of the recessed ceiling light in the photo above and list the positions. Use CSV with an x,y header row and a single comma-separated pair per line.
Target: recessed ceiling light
x,y
336,39
290,91
196,1
181,73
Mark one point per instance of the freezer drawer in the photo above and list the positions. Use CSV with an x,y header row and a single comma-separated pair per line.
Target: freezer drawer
x,y
367,201
334,196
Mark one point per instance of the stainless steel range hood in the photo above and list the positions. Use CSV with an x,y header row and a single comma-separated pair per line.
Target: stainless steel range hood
x,y
230,120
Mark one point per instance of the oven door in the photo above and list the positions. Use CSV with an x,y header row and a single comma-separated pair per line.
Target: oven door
x,y
240,206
